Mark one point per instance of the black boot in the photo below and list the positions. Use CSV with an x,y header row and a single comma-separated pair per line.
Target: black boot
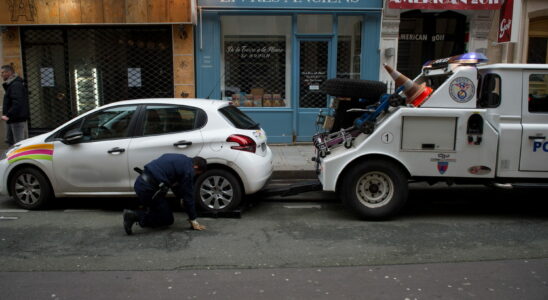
x,y
130,217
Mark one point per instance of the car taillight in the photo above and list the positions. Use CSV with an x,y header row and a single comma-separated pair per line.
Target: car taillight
x,y
245,143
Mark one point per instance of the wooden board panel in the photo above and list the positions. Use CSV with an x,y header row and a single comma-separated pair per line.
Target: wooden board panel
x,y
183,68
185,91
92,11
70,11
47,11
178,11
183,40
11,45
114,11
136,11
157,11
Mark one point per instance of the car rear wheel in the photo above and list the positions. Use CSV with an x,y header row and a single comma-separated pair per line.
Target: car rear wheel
x,y
375,189
30,188
218,190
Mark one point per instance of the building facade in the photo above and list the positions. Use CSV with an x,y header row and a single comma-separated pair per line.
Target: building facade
x,y
76,55
272,57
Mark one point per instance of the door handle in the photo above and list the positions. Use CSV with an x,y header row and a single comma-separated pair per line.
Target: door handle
x,y
182,144
116,150
536,137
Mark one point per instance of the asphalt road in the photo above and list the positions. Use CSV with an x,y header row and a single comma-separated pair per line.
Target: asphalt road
x,y
450,243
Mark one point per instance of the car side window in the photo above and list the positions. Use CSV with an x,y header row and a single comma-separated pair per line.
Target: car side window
x,y
490,93
163,119
538,93
110,123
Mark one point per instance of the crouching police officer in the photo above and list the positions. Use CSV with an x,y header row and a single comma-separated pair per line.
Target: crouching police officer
x,y
169,171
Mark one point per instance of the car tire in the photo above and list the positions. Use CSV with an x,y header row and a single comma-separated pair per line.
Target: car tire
x,y
218,190
30,188
376,190
354,88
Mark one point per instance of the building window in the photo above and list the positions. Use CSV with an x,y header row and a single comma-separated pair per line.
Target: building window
x,y
255,68
349,47
538,41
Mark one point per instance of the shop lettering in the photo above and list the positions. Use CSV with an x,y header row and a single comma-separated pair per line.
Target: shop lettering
x,y
540,145
505,24
421,37
248,52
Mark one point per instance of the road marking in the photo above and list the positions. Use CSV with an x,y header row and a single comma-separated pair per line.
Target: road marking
x,y
8,218
303,206
13,210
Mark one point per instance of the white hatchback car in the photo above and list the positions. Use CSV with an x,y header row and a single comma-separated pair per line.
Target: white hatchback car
x,y
95,153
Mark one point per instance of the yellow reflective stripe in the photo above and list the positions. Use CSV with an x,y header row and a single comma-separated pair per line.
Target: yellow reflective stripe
x,y
33,147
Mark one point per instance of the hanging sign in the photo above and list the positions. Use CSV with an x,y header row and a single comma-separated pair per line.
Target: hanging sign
x,y
445,4
509,16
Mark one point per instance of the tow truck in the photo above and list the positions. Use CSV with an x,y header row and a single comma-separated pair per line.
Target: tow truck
x,y
459,121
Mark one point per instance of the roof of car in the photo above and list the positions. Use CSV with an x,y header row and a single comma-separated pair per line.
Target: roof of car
x,y
515,66
182,101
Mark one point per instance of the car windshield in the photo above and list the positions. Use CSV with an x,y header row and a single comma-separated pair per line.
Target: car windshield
x,y
238,118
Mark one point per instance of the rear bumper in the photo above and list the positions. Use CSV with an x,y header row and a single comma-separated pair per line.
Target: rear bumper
x,y
254,170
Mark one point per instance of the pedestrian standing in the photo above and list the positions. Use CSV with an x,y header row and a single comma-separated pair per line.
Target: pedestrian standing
x,y
15,109
169,171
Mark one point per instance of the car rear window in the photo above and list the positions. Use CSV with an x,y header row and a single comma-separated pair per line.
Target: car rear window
x,y
238,118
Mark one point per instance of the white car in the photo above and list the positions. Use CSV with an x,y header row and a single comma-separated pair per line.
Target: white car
x,y
95,153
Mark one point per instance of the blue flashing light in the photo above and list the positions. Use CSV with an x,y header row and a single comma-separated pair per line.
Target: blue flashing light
x,y
469,58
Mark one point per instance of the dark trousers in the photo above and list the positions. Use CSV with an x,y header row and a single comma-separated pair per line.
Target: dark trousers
x,y
157,211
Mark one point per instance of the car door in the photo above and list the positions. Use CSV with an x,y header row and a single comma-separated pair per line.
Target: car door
x,y
534,142
98,163
166,129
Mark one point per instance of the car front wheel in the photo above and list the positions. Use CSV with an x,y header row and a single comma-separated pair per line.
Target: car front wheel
x,y
218,191
30,188
375,189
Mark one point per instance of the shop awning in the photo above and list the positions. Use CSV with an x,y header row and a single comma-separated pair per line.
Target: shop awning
x,y
445,4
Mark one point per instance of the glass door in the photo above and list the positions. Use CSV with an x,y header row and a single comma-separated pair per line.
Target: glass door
x,y
313,70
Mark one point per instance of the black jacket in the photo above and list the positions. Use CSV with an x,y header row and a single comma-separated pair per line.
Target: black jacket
x,y
16,103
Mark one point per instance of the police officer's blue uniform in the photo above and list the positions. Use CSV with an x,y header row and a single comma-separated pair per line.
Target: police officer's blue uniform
x,y
175,170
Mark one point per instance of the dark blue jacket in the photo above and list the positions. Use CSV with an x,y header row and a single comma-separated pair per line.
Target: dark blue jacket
x,y
177,171
16,103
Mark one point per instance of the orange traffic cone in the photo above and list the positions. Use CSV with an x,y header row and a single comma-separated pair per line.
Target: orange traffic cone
x,y
416,94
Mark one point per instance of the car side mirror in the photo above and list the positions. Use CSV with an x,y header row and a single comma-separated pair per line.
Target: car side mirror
x,y
73,136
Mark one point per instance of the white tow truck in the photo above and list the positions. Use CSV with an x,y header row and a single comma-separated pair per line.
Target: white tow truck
x,y
478,124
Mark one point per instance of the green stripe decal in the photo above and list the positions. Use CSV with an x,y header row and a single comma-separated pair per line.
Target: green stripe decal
x,y
32,156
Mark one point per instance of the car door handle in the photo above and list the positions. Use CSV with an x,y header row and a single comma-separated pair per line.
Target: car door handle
x,y
116,150
182,144
536,137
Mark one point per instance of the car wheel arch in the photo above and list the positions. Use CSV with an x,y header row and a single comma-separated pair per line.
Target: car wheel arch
x,y
14,170
367,157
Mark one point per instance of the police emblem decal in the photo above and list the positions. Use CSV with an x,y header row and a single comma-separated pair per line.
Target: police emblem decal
x,y
462,89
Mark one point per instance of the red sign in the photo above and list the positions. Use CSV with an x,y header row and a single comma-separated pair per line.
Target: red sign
x,y
445,4
505,21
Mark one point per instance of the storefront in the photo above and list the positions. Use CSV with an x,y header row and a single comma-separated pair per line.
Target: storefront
x,y
272,57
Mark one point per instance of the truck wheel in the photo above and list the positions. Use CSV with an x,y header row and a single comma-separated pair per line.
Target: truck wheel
x,y
30,188
355,88
218,190
376,190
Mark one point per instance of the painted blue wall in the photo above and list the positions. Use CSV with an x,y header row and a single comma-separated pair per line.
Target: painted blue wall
x,y
280,124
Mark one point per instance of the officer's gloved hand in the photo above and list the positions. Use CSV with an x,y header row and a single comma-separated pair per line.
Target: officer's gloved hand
x,y
195,225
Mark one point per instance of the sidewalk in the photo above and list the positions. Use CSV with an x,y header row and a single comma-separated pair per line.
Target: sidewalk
x,y
293,161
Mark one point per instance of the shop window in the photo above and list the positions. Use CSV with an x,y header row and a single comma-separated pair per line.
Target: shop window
x,y
538,93
349,47
538,41
255,60
315,24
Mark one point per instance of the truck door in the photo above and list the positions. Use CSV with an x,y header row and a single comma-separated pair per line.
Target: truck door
x,y
534,141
